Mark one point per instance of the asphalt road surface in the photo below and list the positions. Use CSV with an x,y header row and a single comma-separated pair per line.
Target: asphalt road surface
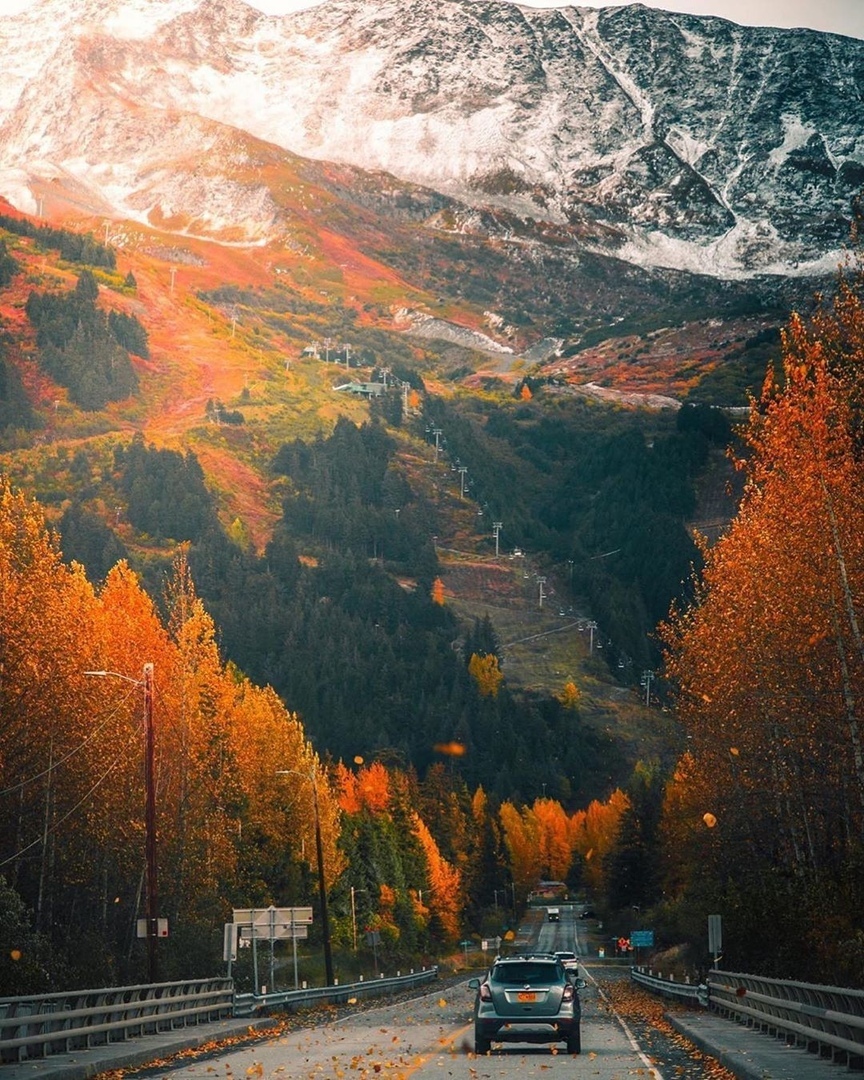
x,y
433,1036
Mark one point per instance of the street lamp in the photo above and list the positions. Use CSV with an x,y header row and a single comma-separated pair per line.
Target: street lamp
x,y
146,681
322,884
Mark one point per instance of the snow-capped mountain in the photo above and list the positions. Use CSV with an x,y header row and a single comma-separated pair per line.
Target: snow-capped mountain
x,y
669,140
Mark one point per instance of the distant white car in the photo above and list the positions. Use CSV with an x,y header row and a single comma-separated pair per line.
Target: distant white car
x,y
570,961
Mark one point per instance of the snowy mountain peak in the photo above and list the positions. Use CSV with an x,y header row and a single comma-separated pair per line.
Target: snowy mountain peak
x,y
684,141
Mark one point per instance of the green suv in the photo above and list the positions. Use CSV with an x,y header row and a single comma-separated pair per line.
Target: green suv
x,y
527,998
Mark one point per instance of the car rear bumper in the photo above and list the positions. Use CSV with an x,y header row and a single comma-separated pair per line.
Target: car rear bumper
x,y
537,1031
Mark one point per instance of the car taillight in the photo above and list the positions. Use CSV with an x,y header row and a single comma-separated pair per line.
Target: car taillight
x,y
485,992
568,993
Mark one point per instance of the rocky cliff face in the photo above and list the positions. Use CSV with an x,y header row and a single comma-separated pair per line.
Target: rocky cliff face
x,y
667,140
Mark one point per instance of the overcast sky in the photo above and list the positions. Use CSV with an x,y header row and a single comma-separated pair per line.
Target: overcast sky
x,y
836,16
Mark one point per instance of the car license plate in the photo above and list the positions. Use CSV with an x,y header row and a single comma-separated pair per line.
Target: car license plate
x,y
525,995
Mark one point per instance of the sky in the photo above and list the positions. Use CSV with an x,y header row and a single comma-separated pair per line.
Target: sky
x,y
835,16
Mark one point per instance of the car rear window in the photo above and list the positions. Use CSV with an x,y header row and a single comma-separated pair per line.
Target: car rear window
x,y
527,971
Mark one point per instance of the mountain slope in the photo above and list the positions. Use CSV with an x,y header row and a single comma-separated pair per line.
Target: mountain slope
x,y
669,140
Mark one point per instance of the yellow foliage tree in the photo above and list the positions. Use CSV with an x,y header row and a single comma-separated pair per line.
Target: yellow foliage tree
x,y
486,673
521,832
570,695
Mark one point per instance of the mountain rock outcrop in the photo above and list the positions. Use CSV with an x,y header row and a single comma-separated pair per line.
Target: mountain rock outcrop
x,y
667,140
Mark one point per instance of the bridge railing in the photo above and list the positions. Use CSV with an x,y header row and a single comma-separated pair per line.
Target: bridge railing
x,y
38,1026
827,1020
250,1004
688,992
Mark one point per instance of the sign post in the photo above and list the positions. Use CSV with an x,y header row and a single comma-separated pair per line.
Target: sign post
x,y
272,924
641,939
715,937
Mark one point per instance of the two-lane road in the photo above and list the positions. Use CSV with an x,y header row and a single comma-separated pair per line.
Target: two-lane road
x,y
433,1036
429,1037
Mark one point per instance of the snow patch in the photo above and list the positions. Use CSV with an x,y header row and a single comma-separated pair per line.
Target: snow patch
x,y
795,135
427,326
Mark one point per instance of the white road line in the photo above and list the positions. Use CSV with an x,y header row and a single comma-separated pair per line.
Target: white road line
x,y
655,1072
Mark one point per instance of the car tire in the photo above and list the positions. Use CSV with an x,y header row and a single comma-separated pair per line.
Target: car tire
x,y
482,1045
574,1041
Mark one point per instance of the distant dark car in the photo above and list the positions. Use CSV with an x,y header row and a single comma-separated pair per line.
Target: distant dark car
x,y
588,913
528,998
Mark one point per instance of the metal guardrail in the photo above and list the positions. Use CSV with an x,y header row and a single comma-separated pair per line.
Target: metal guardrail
x,y
686,991
829,1020
38,1026
251,1004
826,1020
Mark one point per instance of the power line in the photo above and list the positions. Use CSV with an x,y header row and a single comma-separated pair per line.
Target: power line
x,y
120,757
51,768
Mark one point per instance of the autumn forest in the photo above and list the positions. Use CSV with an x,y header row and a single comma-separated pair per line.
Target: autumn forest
x,y
328,667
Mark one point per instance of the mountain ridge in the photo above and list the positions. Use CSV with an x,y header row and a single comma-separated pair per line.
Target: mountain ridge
x,y
671,141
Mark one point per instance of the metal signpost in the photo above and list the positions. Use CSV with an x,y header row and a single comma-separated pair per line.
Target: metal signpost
x,y
269,924
641,939
715,937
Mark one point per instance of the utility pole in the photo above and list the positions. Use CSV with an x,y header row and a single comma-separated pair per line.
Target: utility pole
x,y
592,626
322,882
496,532
150,825
437,432
322,890
462,470
152,906
645,681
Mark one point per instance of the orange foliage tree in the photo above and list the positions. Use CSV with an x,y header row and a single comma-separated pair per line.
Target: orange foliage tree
x,y
768,662
445,888
595,831
556,838
71,747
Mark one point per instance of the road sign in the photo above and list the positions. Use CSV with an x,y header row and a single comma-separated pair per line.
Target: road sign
x,y
273,933
715,935
161,928
641,939
229,941
273,916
